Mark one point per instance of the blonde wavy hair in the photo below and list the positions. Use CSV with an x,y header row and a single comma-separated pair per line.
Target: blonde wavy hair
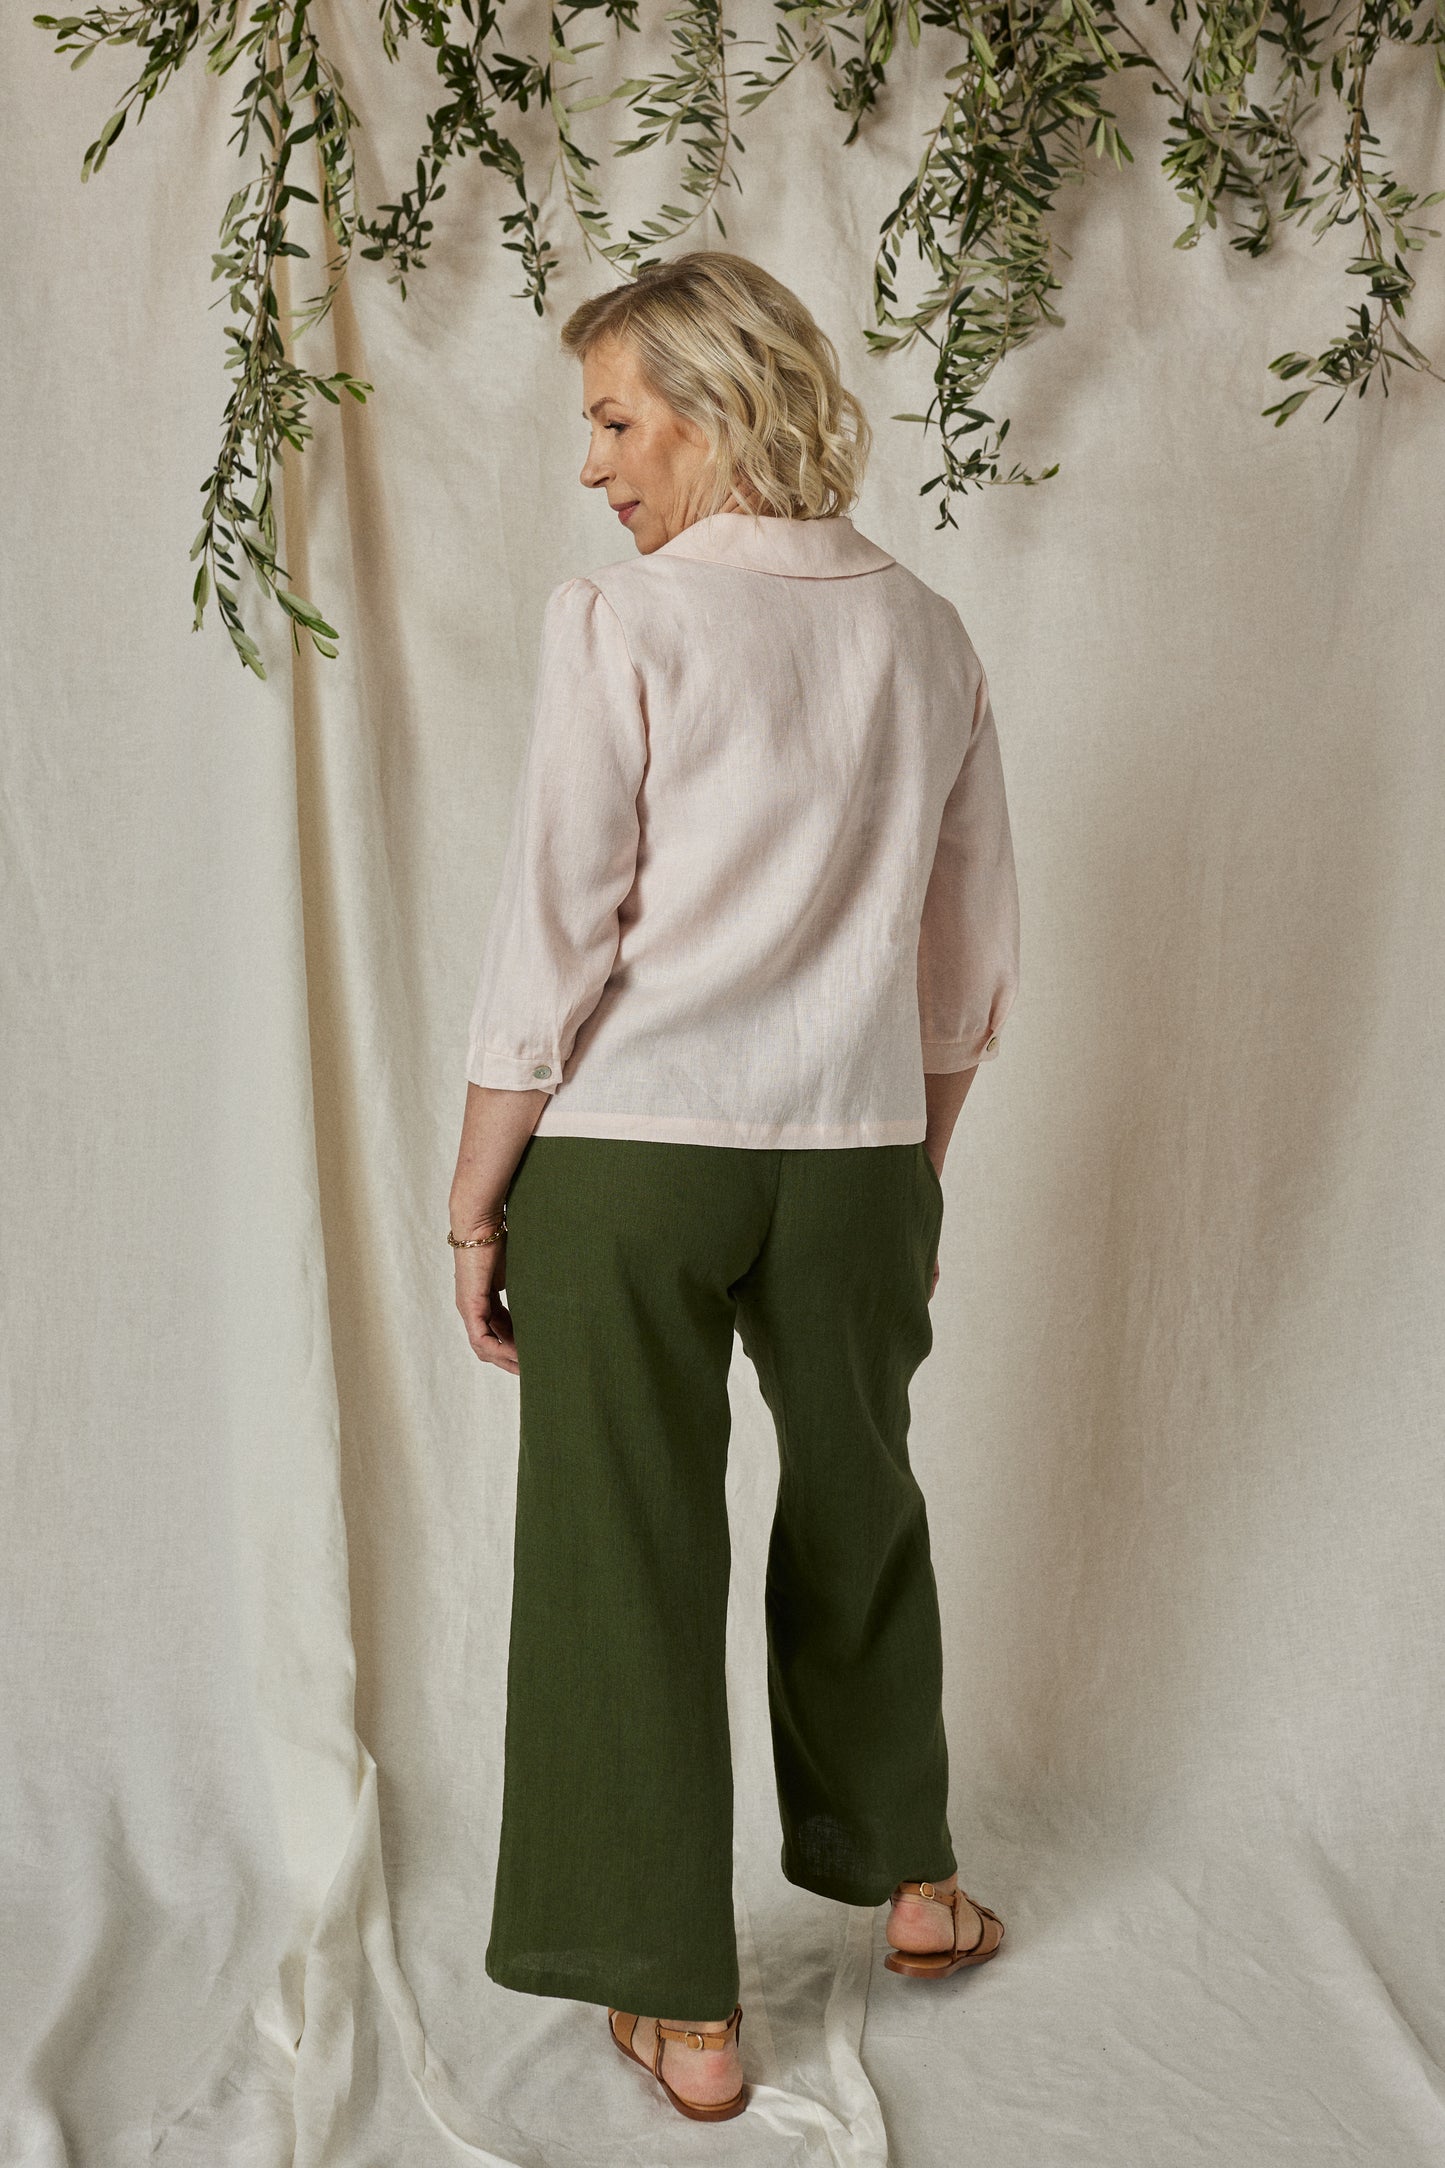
x,y
734,350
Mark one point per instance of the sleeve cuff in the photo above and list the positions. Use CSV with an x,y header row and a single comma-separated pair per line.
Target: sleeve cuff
x,y
514,1072
949,1054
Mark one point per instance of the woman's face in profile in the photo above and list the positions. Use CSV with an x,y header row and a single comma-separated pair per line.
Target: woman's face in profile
x,y
651,461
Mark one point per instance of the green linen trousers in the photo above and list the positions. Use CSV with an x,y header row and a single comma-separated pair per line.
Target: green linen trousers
x,y
630,1266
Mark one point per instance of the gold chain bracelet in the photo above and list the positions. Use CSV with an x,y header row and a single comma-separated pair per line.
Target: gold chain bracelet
x,y
475,1242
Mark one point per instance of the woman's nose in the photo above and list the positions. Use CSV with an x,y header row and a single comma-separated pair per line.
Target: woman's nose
x,y
594,471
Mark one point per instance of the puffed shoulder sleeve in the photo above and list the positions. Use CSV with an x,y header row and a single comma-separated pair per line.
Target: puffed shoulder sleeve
x,y
571,851
968,950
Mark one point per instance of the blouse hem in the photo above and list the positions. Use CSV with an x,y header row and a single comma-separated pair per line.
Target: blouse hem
x,y
754,1136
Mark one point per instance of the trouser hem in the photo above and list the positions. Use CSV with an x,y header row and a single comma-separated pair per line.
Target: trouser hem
x,y
699,1999
849,1892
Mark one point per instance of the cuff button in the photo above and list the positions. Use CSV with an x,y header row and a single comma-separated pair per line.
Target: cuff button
x,y
990,1042
542,1069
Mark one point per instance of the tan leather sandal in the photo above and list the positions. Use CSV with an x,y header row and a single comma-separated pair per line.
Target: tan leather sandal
x,y
716,2112
937,1964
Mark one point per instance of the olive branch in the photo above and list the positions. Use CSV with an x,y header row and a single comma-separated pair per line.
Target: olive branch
x,y
1024,88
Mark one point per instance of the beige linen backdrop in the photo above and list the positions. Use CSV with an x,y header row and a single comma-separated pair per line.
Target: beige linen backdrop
x,y
1180,1431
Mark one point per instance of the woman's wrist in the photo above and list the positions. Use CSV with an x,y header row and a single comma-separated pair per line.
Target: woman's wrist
x,y
471,1214
496,1129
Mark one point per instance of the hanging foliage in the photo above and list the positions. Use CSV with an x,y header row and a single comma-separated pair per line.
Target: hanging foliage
x,y
1023,89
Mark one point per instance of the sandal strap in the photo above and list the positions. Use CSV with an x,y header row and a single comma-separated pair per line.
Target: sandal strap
x,y
929,1895
691,2037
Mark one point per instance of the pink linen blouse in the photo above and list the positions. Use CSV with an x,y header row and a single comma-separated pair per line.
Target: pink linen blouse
x,y
759,876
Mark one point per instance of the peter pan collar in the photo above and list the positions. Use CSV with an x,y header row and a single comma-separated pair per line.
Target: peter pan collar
x,y
808,549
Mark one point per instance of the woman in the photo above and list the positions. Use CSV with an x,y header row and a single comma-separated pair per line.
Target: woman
x,y
756,926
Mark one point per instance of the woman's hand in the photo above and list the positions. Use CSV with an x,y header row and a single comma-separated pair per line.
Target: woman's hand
x,y
496,1127
481,1276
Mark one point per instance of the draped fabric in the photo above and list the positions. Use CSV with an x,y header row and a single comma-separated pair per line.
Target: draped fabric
x,y
1180,1428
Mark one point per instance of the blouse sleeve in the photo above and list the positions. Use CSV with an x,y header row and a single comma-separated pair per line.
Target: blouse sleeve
x,y
968,949
571,852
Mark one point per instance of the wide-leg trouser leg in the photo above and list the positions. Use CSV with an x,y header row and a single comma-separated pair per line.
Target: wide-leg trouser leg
x,y
614,1878
834,1315
629,1267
